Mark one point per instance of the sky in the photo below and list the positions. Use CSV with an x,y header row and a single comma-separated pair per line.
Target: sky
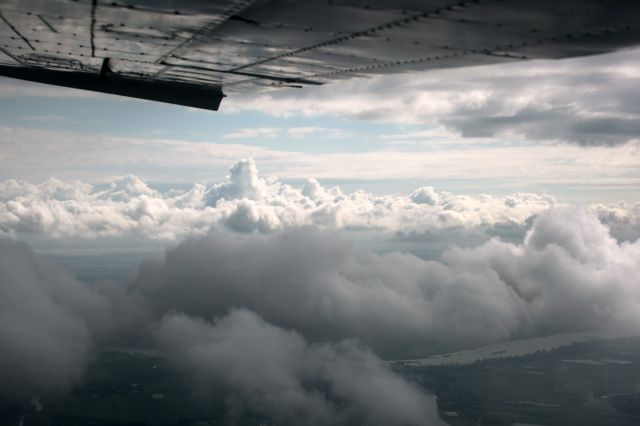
x,y
303,236
567,128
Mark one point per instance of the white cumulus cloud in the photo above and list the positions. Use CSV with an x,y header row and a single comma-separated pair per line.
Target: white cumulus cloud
x,y
244,202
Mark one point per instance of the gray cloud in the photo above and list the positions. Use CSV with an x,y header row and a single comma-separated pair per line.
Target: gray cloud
x,y
590,101
319,284
551,120
569,274
622,220
570,271
275,372
48,321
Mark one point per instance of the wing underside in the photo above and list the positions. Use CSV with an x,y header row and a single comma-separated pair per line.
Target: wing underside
x,y
187,51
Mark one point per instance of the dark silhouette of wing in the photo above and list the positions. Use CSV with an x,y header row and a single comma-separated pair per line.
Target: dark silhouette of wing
x,y
187,51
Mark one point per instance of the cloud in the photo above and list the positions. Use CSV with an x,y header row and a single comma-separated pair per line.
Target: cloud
x,y
48,322
292,311
299,132
274,372
243,182
569,274
622,220
254,132
244,202
588,101
425,195
321,286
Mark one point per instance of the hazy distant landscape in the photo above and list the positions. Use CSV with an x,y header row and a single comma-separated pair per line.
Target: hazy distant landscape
x,y
595,382
589,383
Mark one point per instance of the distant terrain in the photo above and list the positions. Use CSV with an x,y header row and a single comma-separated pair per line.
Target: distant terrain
x,y
595,382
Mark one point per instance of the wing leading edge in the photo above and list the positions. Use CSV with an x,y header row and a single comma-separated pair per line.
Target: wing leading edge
x,y
186,52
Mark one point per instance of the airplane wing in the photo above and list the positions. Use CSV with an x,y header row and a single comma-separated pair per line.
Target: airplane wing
x,y
187,52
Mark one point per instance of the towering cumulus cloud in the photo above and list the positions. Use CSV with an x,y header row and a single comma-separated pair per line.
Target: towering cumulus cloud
x,y
243,182
47,322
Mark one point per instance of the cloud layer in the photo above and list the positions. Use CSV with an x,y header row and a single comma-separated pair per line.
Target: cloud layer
x,y
587,101
244,203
